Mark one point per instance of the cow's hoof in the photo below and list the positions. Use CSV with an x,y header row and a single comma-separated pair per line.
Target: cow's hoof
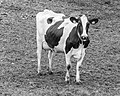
x,y
40,74
50,72
79,83
68,81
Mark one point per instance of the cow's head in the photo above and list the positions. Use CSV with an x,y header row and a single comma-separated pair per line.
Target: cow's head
x,y
83,25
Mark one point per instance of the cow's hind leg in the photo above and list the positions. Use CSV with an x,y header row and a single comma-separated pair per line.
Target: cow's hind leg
x,y
39,50
68,66
50,56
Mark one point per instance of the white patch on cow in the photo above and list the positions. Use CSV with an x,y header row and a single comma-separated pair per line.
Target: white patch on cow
x,y
77,53
66,21
84,21
78,34
57,18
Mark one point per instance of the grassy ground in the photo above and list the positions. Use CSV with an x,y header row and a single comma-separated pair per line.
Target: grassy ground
x,y
100,71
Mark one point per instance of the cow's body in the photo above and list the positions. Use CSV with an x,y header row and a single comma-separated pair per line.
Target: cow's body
x,y
56,33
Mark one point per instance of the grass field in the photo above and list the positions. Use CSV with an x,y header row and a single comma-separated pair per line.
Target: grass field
x,y
100,70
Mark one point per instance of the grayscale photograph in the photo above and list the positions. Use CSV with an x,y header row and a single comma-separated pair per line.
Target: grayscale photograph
x,y
59,47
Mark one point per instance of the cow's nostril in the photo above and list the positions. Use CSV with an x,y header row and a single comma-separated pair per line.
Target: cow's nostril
x,y
83,38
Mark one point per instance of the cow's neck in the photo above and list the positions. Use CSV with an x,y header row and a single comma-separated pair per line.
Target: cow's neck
x,y
73,40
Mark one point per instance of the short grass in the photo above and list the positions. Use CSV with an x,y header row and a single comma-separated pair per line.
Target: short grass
x,y
100,71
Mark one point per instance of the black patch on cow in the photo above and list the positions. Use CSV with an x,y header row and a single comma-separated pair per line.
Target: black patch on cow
x,y
54,34
73,40
87,27
49,20
68,67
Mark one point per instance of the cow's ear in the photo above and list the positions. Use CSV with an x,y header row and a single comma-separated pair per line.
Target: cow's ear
x,y
73,20
93,21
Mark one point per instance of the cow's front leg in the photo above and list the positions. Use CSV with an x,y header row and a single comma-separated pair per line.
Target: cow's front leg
x,y
68,66
79,62
50,56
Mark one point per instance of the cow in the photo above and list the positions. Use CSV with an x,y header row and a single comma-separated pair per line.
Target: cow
x,y
59,33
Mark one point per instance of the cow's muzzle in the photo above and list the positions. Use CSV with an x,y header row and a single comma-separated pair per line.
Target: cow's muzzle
x,y
84,38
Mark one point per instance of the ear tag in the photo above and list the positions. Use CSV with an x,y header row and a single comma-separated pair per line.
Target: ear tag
x,y
74,21
93,22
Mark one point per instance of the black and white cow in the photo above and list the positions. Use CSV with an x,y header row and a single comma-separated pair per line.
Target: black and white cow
x,y
69,35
